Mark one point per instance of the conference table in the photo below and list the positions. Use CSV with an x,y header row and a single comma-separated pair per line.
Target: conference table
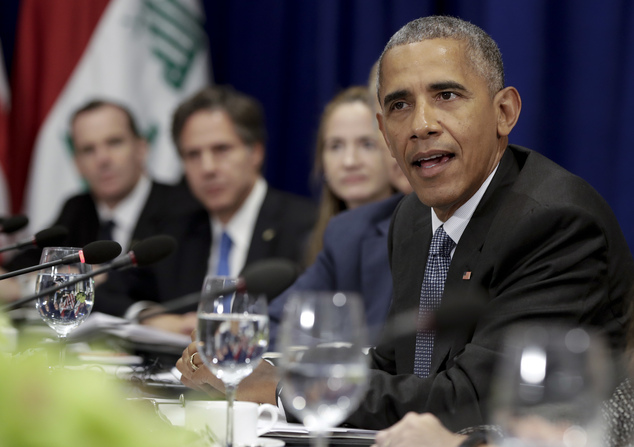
x,y
143,360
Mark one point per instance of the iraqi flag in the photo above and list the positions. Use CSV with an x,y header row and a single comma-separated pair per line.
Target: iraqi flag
x,y
148,55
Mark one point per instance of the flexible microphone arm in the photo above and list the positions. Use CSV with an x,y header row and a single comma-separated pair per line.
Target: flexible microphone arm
x,y
269,277
48,291
148,251
96,252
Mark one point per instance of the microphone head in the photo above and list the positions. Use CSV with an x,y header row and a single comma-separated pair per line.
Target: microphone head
x,y
270,277
50,237
99,252
153,249
13,223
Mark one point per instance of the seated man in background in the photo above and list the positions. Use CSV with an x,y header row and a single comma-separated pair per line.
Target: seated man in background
x,y
492,227
122,203
220,135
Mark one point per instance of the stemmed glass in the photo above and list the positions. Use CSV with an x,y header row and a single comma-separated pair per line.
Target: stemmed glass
x,y
232,335
324,370
548,389
67,308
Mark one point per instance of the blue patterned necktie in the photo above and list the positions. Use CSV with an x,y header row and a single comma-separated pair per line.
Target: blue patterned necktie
x,y
436,270
223,260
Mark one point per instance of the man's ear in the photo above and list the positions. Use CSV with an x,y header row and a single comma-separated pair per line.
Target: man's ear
x,y
508,105
258,154
143,150
379,118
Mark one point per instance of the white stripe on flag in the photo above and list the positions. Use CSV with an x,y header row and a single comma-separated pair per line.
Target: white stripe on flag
x,y
142,55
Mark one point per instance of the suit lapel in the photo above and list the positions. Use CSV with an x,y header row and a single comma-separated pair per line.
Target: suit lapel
x,y
373,260
265,232
411,271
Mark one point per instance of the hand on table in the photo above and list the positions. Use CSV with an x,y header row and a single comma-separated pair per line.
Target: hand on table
x,y
421,430
258,387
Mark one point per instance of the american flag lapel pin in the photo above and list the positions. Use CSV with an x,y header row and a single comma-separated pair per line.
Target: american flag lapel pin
x,y
466,276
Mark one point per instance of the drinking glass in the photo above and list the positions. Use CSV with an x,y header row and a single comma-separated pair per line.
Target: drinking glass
x,y
324,370
549,387
67,308
232,335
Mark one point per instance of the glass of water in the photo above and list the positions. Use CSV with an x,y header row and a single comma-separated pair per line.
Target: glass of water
x,y
324,369
232,335
67,308
549,387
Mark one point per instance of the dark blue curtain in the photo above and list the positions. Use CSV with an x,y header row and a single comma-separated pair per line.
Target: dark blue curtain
x,y
572,62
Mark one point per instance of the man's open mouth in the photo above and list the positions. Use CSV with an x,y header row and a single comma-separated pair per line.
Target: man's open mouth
x,y
434,160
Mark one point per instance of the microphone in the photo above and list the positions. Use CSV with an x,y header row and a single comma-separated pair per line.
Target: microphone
x,y
13,223
269,277
45,238
96,252
146,252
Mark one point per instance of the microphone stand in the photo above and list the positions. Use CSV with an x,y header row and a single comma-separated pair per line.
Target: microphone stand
x,y
41,293
186,301
34,268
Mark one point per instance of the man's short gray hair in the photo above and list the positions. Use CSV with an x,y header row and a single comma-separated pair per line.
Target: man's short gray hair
x,y
482,51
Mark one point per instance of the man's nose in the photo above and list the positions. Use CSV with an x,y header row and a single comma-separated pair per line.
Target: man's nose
x,y
425,121
103,155
207,161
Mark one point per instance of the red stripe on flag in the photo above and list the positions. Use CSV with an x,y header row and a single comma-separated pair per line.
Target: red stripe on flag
x,y
51,39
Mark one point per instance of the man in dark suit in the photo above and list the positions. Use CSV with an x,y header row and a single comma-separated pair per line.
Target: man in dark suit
x,y
353,258
110,154
532,241
512,233
220,136
121,203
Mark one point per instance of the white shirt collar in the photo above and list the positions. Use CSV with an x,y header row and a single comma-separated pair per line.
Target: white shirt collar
x,y
240,229
127,212
457,223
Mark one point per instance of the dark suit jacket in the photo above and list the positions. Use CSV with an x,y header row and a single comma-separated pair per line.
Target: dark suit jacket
x,y
353,259
541,245
281,230
79,216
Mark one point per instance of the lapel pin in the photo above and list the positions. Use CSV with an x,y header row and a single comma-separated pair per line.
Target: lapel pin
x,y
466,276
268,234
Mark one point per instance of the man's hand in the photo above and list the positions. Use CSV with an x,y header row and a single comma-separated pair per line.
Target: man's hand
x,y
258,387
180,324
422,430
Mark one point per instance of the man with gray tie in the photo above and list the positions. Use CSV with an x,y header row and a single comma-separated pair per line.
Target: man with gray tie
x,y
121,202
492,227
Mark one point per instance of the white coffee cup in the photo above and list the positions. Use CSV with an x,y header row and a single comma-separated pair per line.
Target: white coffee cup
x,y
210,417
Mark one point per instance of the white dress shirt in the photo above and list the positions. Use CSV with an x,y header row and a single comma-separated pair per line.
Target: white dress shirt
x,y
240,230
457,223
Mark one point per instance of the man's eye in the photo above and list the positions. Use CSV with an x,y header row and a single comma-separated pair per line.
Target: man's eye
x,y
398,105
191,155
446,96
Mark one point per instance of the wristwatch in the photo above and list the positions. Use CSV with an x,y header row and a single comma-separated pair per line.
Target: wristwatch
x,y
475,439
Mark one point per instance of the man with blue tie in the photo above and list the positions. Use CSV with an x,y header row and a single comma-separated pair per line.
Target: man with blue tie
x,y
492,227
220,136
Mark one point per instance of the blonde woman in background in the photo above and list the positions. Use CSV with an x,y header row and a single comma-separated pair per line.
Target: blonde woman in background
x,y
350,160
